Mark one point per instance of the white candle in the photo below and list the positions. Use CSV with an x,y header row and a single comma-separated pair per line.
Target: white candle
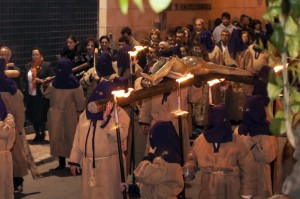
x,y
209,95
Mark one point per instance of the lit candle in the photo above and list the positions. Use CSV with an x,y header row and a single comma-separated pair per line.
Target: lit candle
x,y
210,84
132,55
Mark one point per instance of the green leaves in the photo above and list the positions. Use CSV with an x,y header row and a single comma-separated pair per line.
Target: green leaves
x,y
159,5
139,4
277,39
273,91
156,5
124,6
277,125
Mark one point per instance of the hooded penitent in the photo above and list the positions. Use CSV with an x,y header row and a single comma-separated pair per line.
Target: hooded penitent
x,y
254,117
6,84
164,138
104,66
123,59
260,84
206,40
102,91
219,127
3,110
64,78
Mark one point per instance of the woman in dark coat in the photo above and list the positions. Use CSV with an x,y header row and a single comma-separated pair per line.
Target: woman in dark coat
x,y
36,105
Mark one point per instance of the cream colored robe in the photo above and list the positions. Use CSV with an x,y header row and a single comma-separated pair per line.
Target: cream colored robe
x,y
264,152
7,138
63,114
259,59
153,111
160,179
15,106
107,171
227,174
216,56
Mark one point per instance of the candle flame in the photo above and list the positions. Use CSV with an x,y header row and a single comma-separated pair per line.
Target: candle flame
x,y
188,76
180,112
132,53
222,79
121,93
213,82
96,51
139,48
278,68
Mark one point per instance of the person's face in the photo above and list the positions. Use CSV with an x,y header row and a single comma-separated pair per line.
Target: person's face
x,y
153,36
225,37
90,47
246,21
187,34
104,43
225,21
162,47
151,53
121,45
257,26
35,55
171,40
180,38
125,35
198,26
5,55
71,44
245,38
183,51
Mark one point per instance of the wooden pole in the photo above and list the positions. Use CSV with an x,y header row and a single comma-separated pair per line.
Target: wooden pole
x,y
164,87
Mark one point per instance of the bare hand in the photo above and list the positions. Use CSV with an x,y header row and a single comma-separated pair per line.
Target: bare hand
x,y
124,186
145,129
151,150
107,111
73,170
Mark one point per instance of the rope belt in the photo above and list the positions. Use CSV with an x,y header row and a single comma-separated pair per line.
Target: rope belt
x,y
92,180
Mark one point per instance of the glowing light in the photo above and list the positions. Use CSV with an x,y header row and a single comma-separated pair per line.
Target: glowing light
x,y
139,48
213,82
132,53
279,68
188,76
121,93
180,112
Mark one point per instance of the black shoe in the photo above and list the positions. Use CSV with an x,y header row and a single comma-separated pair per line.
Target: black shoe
x,y
18,189
36,138
60,167
42,137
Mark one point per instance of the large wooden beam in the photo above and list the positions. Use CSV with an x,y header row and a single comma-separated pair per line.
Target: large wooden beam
x,y
165,87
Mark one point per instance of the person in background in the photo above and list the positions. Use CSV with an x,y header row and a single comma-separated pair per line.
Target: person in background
x,y
7,139
254,129
15,72
75,51
104,47
90,45
154,35
224,25
13,100
170,38
37,71
95,146
127,32
246,38
66,104
226,164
